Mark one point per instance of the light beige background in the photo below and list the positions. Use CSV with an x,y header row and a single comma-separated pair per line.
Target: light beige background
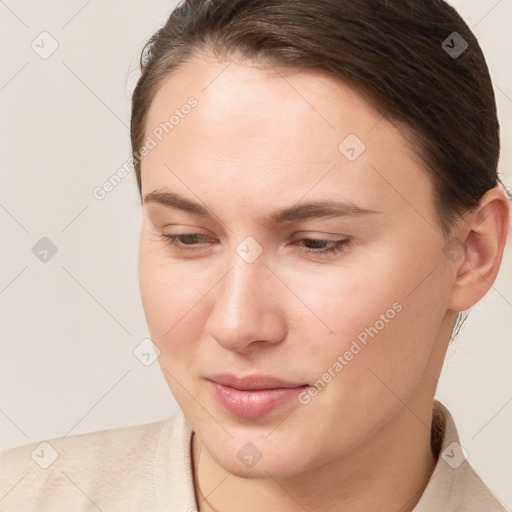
x,y
69,326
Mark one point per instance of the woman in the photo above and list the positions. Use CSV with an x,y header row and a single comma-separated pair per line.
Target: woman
x,y
320,204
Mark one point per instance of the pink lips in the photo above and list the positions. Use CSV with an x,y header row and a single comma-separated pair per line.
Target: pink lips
x,y
252,397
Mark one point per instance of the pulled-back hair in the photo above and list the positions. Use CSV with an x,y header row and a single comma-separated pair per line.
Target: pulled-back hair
x,y
397,54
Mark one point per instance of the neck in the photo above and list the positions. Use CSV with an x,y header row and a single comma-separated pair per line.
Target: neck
x,y
388,473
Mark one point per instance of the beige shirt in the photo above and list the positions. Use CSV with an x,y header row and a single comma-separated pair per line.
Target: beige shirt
x,y
148,468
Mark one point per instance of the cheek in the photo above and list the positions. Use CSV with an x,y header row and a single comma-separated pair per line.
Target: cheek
x,y
385,318
172,304
374,364
342,302
171,297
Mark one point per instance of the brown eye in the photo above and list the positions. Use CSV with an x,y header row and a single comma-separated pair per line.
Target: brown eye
x,y
319,245
184,241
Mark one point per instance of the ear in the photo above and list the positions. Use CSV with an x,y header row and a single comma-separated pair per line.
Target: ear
x,y
481,238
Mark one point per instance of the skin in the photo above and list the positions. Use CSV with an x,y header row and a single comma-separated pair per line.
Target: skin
x,y
261,139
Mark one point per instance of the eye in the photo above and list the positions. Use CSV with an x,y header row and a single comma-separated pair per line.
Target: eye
x,y
189,241
185,241
324,246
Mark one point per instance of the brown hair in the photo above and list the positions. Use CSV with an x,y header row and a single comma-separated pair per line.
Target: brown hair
x,y
398,55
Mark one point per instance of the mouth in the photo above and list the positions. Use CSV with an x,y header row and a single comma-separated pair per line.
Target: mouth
x,y
253,396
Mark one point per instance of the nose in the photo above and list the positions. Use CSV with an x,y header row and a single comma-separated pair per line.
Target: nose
x,y
247,310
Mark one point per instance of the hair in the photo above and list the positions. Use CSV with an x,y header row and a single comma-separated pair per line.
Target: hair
x,y
394,53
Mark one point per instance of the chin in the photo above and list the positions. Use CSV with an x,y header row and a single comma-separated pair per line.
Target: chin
x,y
253,453
268,465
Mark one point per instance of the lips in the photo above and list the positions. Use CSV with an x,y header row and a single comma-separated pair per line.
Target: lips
x,y
253,396
253,383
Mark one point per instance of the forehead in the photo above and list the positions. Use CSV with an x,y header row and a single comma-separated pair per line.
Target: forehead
x,y
257,131
260,100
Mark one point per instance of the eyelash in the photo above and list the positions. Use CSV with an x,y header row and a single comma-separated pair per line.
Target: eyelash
x,y
337,247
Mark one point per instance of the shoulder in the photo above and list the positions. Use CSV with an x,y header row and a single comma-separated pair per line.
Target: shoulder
x,y
103,465
99,445
454,485
475,495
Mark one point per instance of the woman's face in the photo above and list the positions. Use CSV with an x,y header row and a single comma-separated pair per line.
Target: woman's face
x,y
346,304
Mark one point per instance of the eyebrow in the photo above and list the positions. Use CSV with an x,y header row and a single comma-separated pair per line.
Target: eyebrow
x,y
301,211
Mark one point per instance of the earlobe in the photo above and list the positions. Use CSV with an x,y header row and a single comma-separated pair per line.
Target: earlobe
x,y
483,237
